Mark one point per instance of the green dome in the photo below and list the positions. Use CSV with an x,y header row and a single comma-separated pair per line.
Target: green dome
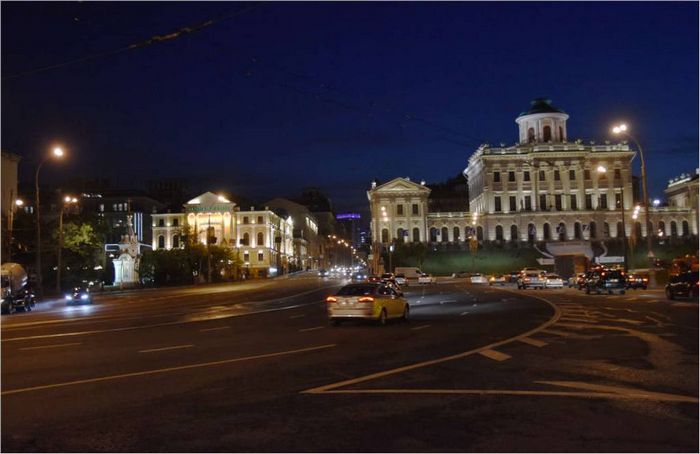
x,y
541,105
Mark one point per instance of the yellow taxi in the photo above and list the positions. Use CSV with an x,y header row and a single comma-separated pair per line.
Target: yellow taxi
x,y
371,301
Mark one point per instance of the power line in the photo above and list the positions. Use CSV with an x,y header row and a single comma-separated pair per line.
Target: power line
x,y
145,43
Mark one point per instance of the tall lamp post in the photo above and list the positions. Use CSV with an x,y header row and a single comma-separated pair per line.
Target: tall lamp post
x,y
601,170
623,130
66,201
56,153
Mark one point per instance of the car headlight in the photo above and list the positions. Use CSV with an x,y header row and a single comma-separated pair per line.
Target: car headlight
x,y
84,296
69,297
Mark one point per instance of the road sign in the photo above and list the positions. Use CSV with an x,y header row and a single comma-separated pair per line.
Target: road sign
x,y
610,259
545,261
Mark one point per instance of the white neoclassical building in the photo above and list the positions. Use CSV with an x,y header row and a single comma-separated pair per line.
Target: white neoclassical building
x,y
262,239
543,188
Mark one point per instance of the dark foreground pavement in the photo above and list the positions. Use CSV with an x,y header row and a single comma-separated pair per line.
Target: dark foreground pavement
x,y
258,368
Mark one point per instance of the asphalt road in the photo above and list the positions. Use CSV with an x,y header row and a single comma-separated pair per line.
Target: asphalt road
x,y
257,367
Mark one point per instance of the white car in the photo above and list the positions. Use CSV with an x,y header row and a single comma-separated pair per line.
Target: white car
x,y
400,279
426,279
478,278
552,280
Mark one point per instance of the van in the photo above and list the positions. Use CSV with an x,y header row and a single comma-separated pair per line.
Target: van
x,y
408,272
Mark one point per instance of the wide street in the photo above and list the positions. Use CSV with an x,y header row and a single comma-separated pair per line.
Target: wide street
x,y
257,367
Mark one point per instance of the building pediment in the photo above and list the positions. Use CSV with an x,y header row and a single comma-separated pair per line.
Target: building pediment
x,y
399,185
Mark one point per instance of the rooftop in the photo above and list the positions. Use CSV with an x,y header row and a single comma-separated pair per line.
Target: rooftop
x,y
541,105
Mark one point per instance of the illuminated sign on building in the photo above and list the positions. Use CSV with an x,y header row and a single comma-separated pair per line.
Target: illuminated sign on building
x,y
348,216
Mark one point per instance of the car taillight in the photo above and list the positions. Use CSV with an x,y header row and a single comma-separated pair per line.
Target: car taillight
x,y
366,299
645,279
331,299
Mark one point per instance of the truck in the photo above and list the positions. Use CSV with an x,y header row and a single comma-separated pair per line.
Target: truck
x,y
409,272
16,294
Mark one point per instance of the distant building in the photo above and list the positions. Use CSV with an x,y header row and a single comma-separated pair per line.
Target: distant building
x,y
309,245
543,188
349,227
262,239
9,182
173,192
321,207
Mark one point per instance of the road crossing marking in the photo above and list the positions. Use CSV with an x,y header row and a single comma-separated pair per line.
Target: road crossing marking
x,y
51,346
494,355
533,342
175,347
214,329
165,370
311,329
420,327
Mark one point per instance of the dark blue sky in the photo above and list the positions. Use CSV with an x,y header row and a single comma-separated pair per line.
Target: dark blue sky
x,y
336,94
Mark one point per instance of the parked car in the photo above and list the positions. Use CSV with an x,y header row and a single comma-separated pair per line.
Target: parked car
x,y
80,294
635,281
606,280
400,279
497,280
478,278
426,279
377,302
531,279
684,285
552,280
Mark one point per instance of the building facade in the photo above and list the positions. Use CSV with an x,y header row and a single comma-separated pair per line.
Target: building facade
x,y
543,188
262,239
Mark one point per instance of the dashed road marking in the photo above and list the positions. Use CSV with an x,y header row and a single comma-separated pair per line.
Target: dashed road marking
x,y
494,355
51,346
167,369
420,327
533,342
311,329
203,330
175,347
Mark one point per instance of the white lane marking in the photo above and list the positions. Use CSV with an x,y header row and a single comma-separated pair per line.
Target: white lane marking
x,y
51,346
494,355
420,327
203,330
298,316
165,370
448,302
175,347
551,321
464,313
533,342
311,329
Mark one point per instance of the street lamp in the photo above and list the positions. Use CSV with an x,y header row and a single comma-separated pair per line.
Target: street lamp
x,y
56,153
622,129
67,200
602,170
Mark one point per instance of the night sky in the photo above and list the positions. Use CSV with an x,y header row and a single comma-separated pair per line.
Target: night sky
x,y
334,95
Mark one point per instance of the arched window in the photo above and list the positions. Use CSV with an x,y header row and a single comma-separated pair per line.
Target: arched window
x,y
577,230
246,239
176,222
416,235
480,233
546,231
161,242
561,231
161,223
686,230
531,135
385,235
467,232
176,241
261,239
499,233
531,233
606,230
514,233
399,235
662,228
638,229
444,235
592,230
674,229
547,133
455,234
433,235
561,134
